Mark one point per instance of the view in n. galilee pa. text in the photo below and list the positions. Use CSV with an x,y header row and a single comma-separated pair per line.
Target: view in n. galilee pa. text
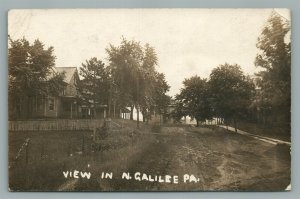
x,y
149,99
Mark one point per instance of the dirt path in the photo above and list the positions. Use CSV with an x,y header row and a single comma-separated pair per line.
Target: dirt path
x,y
219,161
258,137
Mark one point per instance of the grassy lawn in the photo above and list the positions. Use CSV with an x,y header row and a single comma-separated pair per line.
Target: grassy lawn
x,y
278,132
221,160
51,152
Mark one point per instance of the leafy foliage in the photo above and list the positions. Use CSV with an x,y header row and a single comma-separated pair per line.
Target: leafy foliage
x,y
31,72
231,90
160,100
134,75
194,99
275,57
94,87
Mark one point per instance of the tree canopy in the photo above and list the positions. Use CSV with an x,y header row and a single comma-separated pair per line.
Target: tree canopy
x,y
94,87
231,90
134,75
31,73
195,99
275,58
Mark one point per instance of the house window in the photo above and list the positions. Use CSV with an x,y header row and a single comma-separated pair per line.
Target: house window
x,y
51,104
63,90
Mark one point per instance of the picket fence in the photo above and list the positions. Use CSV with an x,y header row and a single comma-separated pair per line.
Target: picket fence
x,y
55,125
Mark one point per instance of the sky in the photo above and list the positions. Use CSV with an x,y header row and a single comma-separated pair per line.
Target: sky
x,y
187,41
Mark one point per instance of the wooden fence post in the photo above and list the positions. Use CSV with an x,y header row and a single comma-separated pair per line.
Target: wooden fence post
x,y
26,152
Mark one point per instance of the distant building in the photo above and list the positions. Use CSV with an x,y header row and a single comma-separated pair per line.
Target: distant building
x,y
125,113
166,117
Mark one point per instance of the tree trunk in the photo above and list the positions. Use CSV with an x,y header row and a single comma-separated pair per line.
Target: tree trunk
x,y
131,112
159,119
144,115
137,116
197,123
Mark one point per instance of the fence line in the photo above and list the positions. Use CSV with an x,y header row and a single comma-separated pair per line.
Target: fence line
x,y
24,146
55,125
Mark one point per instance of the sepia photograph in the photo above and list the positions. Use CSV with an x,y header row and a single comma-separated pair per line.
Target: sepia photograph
x,y
110,100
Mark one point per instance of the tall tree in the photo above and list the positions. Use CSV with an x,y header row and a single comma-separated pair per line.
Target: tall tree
x,y
31,73
195,97
231,91
95,85
160,100
124,64
133,72
275,58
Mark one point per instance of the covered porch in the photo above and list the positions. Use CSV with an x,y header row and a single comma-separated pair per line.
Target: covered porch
x,y
69,108
89,111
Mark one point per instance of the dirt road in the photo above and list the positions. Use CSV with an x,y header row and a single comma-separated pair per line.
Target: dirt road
x,y
218,161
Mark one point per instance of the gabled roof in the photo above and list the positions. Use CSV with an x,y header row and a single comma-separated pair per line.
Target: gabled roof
x,y
69,72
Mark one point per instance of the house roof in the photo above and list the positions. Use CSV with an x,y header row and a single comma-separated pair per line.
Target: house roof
x,y
125,110
69,72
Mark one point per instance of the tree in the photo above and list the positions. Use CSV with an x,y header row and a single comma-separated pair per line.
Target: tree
x,y
133,74
31,74
94,87
231,91
195,98
180,109
124,64
275,58
160,100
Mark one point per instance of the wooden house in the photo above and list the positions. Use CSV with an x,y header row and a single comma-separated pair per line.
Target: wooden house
x,y
66,105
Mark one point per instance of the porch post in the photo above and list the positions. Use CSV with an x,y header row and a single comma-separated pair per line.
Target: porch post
x,y
71,110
